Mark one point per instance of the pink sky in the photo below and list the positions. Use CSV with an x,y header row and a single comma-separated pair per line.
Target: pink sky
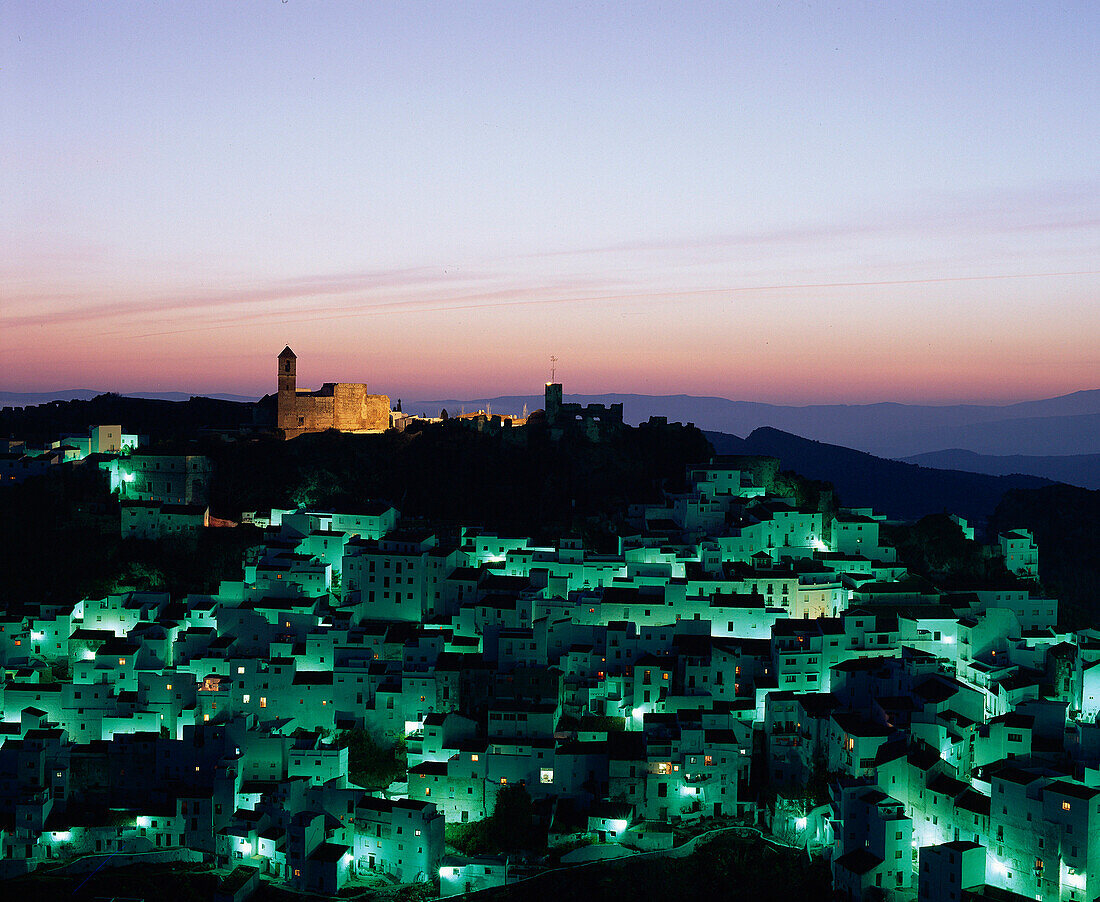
x,y
437,203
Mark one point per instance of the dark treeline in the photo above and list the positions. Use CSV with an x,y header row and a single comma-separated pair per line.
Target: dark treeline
x,y
1066,523
162,421
451,472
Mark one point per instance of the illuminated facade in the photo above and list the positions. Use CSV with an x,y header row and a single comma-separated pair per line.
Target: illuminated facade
x,y
344,406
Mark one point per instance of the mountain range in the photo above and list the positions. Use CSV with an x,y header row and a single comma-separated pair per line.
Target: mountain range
x,y
902,491
1068,424
1075,469
29,399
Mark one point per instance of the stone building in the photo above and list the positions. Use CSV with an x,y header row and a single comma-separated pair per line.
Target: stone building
x,y
594,421
346,406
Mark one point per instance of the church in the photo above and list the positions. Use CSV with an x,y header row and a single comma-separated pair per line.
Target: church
x,y
346,406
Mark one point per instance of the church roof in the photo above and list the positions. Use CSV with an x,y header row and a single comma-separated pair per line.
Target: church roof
x,y
287,353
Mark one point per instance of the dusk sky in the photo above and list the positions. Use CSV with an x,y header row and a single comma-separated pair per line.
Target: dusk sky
x,y
785,202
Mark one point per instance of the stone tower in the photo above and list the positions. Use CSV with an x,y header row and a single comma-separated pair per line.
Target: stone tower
x,y
552,403
288,376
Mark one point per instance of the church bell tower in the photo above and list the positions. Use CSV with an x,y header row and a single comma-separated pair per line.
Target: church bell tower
x,y
288,363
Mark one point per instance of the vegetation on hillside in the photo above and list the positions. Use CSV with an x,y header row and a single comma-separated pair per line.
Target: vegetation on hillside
x,y
1065,521
727,866
371,764
512,827
935,547
61,542
450,472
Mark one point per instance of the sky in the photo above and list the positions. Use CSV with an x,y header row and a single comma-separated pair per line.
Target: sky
x,y
792,202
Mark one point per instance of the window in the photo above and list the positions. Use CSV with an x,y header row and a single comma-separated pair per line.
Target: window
x,y
1065,806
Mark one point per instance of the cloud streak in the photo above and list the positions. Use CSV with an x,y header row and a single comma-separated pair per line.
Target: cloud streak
x,y
527,297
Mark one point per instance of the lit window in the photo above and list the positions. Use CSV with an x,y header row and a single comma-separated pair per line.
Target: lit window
x,y
263,701
240,669
1065,806
121,662
503,781
473,757
664,676
297,872
417,832
246,698
205,718
168,686
428,791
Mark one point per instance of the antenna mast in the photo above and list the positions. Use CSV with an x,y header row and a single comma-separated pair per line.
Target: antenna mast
x,y
553,368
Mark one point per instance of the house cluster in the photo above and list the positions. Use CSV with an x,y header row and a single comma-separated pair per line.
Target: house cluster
x,y
20,459
161,493
736,656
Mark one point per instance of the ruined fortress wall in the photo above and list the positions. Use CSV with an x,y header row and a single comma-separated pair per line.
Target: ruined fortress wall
x,y
353,409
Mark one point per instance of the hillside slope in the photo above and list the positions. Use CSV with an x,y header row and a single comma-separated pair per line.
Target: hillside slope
x,y
900,490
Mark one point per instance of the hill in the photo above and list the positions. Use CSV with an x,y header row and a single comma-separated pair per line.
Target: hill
x,y
1074,469
1066,523
450,471
159,419
900,490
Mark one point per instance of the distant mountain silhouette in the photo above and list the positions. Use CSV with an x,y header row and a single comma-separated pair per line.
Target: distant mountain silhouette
x,y
1074,469
1069,424
899,490
27,399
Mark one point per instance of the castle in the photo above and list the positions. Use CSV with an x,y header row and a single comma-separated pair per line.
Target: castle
x,y
346,406
594,421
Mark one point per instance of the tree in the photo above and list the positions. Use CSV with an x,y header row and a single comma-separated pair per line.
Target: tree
x,y
511,827
371,764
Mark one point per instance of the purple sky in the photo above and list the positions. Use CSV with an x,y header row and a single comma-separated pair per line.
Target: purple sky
x,y
779,202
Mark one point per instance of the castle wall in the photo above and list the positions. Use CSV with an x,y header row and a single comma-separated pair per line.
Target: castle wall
x,y
314,413
350,408
354,409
